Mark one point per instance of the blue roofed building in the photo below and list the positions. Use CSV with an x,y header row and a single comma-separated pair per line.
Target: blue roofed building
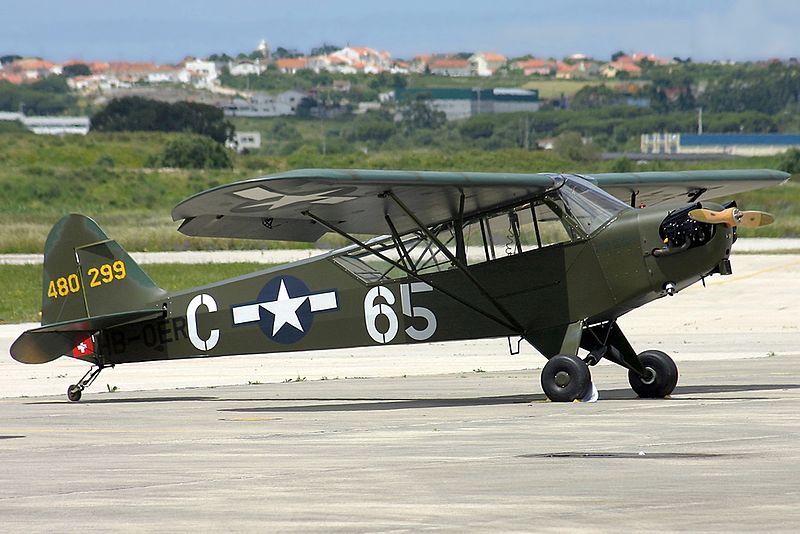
x,y
714,143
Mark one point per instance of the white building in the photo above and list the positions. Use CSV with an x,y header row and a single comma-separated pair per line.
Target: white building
x,y
486,63
265,105
712,143
246,67
57,125
199,73
243,141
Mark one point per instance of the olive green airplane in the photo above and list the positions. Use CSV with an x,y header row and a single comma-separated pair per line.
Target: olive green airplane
x,y
551,259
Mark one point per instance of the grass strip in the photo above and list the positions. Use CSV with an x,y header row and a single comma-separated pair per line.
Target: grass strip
x,y
23,283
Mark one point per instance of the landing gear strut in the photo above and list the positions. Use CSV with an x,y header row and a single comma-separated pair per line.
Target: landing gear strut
x,y
75,390
652,374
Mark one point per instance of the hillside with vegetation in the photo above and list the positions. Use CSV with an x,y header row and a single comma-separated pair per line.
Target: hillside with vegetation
x,y
111,177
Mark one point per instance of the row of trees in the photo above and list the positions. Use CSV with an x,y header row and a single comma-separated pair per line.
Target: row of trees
x,y
49,96
142,114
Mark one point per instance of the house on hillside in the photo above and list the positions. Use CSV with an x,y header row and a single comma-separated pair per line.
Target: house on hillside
x,y
199,73
541,67
577,70
290,65
365,59
486,63
32,69
246,67
450,67
615,68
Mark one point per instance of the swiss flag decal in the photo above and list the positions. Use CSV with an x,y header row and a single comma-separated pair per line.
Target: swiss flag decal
x,y
83,347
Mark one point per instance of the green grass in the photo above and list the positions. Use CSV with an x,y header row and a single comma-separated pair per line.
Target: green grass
x,y
44,177
550,88
22,284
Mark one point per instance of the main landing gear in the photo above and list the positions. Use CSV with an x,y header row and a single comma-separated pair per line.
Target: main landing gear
x,y
652,374
75,390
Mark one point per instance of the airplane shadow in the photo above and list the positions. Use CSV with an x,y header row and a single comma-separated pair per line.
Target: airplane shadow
x,y
124,400
605,395
333,404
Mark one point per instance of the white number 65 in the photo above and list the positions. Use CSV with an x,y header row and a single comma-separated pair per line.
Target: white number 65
x,y
372,311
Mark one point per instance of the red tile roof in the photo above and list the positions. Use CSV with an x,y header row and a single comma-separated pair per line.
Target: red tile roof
x,y
292,63
493,56
449,63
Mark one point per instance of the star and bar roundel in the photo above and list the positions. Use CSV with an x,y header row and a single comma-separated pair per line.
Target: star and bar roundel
x,y
285,309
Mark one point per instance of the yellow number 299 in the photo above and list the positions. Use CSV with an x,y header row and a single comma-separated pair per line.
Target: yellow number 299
x,y
107,273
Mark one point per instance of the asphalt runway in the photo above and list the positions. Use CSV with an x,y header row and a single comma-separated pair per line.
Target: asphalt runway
x,y
458,452
450,436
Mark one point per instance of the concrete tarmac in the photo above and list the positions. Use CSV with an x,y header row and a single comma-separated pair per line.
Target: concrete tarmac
x,y
457,452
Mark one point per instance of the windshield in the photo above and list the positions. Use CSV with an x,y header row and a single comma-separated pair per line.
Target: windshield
x,y
590,206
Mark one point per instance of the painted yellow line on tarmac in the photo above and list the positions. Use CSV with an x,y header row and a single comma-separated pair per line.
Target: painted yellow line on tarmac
x,y
758,272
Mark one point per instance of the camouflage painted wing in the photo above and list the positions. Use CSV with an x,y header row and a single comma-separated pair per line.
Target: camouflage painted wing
x,y
651,188
272,207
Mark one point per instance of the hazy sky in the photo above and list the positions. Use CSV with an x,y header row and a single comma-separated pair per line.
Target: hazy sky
x,y
168,30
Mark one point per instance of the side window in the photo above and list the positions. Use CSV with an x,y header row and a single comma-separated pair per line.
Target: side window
x,y
551,226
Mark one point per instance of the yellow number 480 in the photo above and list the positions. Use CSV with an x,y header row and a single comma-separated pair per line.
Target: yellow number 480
x,y
63,286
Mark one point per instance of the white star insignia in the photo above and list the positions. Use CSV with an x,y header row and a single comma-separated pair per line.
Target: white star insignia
x,y
284,308
273,200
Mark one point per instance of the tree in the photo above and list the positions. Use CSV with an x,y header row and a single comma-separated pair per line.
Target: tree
x,y
76,69
420,114
570,146
616,55
593,97
9,58
480,126
281,53
193,152
324,49
790,162
142,114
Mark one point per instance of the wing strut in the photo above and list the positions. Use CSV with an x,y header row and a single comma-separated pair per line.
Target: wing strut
x,y
510,324
461,266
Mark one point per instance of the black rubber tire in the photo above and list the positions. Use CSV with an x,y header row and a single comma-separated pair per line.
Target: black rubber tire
x,y
74,393
665,375
570,368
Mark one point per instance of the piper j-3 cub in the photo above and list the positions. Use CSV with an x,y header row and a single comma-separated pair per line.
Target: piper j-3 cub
x,y
552,259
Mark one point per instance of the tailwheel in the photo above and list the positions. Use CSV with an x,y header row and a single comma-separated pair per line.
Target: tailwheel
x,y
74,393
566,378
75,390
661,375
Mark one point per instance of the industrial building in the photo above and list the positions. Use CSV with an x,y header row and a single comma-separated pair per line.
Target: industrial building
x,y
464,103
729,144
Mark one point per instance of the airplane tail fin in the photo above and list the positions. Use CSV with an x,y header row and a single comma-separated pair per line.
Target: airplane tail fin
x,y
86,274
89,283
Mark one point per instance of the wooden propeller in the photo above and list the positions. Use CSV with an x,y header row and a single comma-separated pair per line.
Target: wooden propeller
x,y
732,217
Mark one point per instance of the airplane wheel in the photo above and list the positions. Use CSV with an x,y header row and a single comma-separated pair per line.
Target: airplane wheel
x,y
74,393
662,379
566,378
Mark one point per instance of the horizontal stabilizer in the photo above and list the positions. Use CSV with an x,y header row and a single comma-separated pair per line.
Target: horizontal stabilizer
x,y
47,343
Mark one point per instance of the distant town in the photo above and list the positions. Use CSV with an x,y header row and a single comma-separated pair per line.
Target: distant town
x,y
333,81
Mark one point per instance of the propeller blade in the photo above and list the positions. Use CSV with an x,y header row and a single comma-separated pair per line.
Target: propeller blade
x,y
754,219
732,217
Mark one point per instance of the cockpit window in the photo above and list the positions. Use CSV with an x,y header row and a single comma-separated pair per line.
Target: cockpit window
x,y
568,213
589,206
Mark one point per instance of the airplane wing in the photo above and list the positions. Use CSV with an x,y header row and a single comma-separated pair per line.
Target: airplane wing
x,y
272,207
651,188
